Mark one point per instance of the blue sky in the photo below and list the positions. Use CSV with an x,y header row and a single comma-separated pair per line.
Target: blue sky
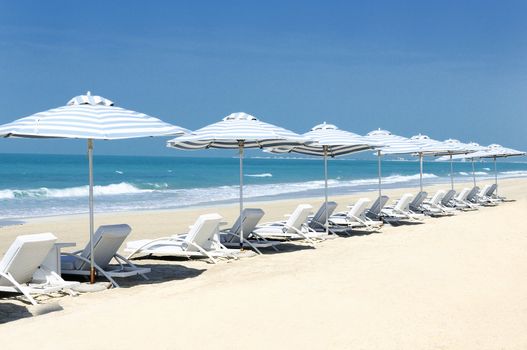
x,y
444,68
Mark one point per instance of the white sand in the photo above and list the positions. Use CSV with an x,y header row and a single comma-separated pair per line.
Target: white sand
x,y
451,283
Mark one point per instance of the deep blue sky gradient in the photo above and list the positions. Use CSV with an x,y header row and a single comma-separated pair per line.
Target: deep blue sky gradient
x,y
444,68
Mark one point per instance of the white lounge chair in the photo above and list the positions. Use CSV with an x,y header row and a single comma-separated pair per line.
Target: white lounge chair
x,y
460,201
295,228
433,207
475,198
106,242
375,211
317,222
491,193
447,198
248,220
200,242
485,195
400,213
416,205
21,269
355,217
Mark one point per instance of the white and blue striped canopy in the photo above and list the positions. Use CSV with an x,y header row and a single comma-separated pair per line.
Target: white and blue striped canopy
x,y
89,117
492,151
394,144
330,140
457,147
235,130
421,144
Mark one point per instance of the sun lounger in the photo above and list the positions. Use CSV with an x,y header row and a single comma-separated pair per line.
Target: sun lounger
x,y
447,198
491,193
375,211
22,270
230,238
200,242
460,202
106,242
416,205
317,222
400,213
355,217
434,208
295,228
474,197
486,195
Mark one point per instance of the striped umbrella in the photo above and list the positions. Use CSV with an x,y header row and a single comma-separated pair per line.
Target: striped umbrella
x,y
474,147
328,140
394,144
456,147
429,147
239,131
493,151
92,118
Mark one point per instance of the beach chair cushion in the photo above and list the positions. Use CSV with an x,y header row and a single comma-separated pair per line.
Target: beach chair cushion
x,y
250,218
25,255
106,242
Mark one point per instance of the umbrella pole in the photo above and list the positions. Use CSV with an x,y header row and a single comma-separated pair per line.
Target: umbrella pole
x,y
496,176
90,162
379,168
473,173
421,171
326,188
240,146
451,172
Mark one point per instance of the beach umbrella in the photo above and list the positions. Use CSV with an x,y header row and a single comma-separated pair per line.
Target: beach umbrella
x,y
328,140
419,145
393,144
457,147
469,147
238,131
493,151
91,118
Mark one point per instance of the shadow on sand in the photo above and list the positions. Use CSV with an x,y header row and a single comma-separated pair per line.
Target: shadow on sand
x,y
10,311
160,273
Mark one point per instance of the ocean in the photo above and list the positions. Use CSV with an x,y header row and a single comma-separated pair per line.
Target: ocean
x,y
45,185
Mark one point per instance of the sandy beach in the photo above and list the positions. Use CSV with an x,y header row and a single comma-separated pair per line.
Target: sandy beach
x,y
450,283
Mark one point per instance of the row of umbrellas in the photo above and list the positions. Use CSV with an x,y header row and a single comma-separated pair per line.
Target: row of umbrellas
x,y
97,118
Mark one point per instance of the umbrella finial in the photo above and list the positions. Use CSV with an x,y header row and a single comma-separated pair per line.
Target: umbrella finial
x,y
88,93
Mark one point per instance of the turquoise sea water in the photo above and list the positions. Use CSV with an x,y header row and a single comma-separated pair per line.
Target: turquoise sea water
x,y
42,185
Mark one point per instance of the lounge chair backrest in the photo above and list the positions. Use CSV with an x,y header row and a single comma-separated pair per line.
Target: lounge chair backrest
x,y
418,200
404,202
491,190
320,215
484,190
462,196
319,219
473,192
377,206
299,217
106,242
438,196
448,197
250,218
25,255
358,209
203,231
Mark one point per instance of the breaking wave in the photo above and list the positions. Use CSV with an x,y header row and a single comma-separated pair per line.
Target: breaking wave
x,y
80,191
260,175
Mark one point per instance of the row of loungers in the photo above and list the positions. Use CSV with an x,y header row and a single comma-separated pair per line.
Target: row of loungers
x,y
23,267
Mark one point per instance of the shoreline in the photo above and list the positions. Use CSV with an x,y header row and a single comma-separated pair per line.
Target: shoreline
x,y
163,222
267,199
